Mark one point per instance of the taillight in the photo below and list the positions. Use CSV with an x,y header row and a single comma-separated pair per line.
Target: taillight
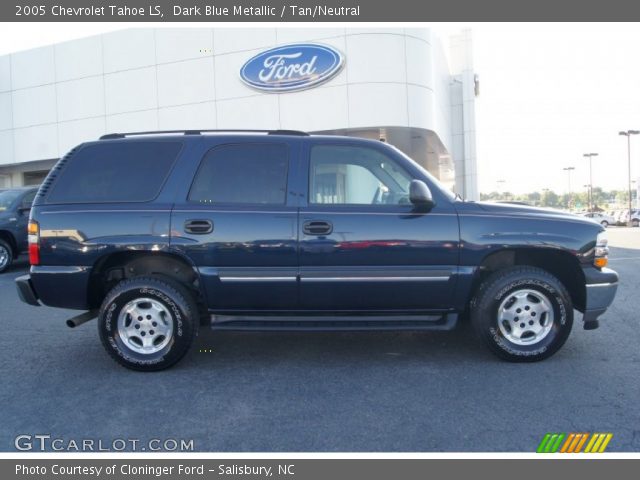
x,y
34,242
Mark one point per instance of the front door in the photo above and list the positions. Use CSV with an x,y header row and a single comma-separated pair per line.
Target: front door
x,y
238,225
363,246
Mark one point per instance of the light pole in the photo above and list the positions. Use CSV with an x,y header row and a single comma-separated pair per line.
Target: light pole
x,y
590,155
628,134
569,170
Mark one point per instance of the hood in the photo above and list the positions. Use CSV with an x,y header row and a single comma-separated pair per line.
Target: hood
x,y
526,210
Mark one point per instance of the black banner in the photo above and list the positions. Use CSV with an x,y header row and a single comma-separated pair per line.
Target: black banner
x,y
314,11
318,469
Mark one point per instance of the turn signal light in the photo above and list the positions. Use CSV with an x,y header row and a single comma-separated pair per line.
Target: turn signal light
x,y
601,262
601,253
34,242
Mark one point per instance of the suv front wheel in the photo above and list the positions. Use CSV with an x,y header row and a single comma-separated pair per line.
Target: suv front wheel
x,y
523,314
148,323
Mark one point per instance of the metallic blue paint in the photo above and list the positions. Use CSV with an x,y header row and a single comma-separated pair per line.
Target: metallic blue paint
x,y
392,259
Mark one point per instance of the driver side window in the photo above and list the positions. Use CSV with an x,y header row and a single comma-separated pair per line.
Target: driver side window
x,y
351,175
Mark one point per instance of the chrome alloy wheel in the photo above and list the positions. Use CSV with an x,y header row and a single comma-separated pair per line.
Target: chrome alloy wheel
x,y
525,317
4,256
145,326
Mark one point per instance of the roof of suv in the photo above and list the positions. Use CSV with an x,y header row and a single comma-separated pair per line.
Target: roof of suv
x,y
111,136
18,189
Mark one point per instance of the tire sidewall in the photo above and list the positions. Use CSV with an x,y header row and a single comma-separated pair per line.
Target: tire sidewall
x,y
179,312
9,252
486,318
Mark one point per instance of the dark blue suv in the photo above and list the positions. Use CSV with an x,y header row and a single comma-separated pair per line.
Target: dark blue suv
x,y
157,233
15,204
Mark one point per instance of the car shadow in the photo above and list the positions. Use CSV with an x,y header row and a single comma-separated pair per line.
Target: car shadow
x,y
236,349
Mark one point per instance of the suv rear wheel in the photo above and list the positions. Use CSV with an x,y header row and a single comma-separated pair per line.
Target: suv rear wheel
x,y
6,255
523,314
148,323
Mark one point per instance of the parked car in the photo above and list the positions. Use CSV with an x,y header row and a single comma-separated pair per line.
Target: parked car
x,y
635,217
281,230
602,218
15,205
619,217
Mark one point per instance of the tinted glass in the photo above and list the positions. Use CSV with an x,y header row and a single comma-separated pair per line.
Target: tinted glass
x,y
28,199
242,174
7,198
356,176
115,172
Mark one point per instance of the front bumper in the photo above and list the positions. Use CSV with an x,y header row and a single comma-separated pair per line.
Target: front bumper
x,y
601,287
26,292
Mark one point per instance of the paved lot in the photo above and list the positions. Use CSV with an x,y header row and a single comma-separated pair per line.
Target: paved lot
x,y
326,392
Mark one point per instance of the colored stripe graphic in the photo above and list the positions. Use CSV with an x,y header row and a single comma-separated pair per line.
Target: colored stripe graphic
x,y
551,442
598,443
543,443
573,442
581,442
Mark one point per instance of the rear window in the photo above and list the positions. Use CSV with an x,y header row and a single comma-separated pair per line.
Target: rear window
x,y
115,172
242,174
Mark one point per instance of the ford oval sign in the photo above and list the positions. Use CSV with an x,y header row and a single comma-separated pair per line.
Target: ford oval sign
x,y
292,67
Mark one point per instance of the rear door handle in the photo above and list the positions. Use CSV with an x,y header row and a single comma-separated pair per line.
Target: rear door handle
x,y
198,227
317,227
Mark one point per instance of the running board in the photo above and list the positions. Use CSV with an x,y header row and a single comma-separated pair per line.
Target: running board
x,y
332,323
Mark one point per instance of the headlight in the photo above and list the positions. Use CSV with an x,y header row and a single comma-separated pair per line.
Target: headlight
x,y
602,250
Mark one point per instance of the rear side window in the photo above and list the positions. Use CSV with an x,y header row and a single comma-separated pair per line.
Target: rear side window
x,y
242,174
115,172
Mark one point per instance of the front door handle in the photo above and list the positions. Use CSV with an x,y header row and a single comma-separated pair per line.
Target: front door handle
x,y
198,227
317,227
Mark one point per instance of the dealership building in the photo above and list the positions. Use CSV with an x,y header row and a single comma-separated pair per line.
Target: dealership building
x,y
404,86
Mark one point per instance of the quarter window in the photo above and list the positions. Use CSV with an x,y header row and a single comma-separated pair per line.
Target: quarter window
x,y
352,175
127,171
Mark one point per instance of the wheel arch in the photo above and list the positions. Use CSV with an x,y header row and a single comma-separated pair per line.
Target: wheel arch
x,y
110,269
559,263
8,237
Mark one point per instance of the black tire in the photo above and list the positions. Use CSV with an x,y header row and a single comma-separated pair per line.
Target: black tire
x,y
503,286
6,255
180,312
604,223
635,222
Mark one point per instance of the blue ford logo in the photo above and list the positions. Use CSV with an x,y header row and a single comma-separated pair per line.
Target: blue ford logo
x,y
291,67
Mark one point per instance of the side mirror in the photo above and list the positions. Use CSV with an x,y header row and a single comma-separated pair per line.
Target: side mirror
x,y
24,207
420,195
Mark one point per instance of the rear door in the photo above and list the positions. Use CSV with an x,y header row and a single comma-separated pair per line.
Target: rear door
x,y
238,224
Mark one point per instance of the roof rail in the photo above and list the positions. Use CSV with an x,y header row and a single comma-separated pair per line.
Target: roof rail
x,y
111,136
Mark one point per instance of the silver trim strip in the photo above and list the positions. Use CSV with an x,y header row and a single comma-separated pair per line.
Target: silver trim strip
x,y
54,212
590,285
309,214
374,279
257,279
206,210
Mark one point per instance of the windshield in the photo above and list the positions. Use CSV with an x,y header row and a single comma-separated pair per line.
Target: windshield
x,y
7,198
445,191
